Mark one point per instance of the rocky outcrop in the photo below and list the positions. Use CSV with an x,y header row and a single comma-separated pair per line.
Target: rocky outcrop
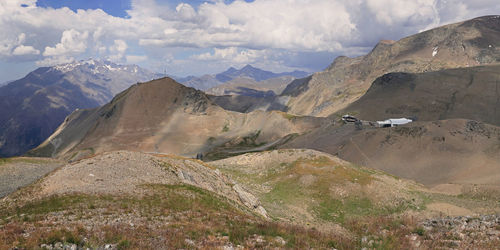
x,y
462,232
249,200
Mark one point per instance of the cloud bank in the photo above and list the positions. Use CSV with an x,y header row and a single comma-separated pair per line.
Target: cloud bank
x,y
276,34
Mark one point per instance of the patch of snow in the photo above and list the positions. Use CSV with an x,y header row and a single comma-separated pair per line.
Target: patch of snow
x,y
96,67
435,51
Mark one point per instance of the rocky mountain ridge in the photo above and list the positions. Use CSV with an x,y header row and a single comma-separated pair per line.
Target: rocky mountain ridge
x,y
465,44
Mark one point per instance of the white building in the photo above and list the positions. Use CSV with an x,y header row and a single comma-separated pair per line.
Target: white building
x,y
393,122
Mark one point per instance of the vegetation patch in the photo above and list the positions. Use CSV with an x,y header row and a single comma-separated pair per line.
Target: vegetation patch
x,y
225,128
320,187
353,207
235,147
288,116
250,140
286,191
32,160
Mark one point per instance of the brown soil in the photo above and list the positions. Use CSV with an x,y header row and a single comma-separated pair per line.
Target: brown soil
x,y
432,153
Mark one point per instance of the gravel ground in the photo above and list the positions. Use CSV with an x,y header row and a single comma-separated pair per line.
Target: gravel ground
x,y
124,172
20,172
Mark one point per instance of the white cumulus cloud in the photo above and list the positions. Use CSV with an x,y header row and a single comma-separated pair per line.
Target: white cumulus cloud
x,y
72,42
25,50
117,50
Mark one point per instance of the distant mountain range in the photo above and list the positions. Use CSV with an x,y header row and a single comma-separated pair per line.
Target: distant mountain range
x,y
255,73
236,76
31,108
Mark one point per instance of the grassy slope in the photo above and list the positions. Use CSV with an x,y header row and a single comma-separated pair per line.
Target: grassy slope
x,y
166,217
320,190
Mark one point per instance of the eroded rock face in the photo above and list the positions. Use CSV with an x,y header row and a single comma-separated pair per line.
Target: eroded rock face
x,y
250,200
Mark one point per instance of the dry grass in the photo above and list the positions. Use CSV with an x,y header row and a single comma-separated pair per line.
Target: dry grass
x,y
178,216
165,217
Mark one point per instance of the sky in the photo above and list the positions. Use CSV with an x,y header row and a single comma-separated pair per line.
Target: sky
x,y
203,37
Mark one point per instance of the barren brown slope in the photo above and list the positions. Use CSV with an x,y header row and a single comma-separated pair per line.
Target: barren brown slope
x,y
164,116
470,43
432,153
469,93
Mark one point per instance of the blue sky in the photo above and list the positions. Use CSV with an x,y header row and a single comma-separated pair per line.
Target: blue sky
x,y
115,8
200,37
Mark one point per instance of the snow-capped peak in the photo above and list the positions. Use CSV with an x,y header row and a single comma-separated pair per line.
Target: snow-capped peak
x,y
95,66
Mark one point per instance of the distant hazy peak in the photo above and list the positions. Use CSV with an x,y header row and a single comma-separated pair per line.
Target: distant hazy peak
x,y
248,67
231,69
